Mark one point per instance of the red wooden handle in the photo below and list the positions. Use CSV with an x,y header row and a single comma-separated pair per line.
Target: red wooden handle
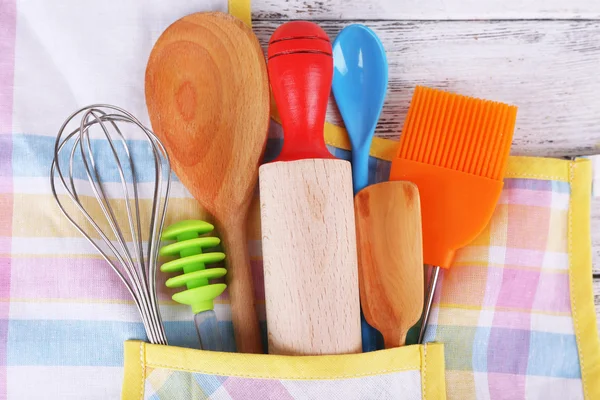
x,y
300,70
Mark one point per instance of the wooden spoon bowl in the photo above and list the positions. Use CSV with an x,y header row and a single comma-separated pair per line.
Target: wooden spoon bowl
x,y
390,258
207,94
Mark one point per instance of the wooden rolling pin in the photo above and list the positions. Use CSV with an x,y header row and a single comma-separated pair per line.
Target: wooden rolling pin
x,y
307,212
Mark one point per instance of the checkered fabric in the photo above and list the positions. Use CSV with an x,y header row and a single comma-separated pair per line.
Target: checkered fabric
x,y
503,311
162,384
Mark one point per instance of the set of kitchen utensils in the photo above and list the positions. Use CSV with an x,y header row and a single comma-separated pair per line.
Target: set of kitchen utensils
x,y
332,245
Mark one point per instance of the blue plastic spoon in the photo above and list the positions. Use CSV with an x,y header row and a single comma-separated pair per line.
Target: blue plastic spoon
x,y
360,81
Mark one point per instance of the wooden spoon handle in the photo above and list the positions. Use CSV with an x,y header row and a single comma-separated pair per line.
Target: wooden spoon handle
x,y
241,289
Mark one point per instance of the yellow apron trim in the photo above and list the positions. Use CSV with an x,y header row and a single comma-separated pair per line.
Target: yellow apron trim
x,y
135,368
433,378
538,168
580,283
139,355
241,9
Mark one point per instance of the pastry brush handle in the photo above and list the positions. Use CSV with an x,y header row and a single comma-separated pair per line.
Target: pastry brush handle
x,y
428,302
300,70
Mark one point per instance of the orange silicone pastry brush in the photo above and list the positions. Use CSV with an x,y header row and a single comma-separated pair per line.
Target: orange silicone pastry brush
x,y
455,149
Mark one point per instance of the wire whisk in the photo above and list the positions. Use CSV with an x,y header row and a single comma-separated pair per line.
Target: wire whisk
x,y
126,246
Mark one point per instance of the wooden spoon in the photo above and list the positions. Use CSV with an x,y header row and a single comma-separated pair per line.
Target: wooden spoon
x,y
208,98
390,258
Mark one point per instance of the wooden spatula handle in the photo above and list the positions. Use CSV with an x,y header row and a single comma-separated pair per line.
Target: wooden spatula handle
x,y
300,69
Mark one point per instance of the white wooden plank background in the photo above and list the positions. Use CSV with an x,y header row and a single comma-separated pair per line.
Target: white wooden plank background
x,y
425,9
549,68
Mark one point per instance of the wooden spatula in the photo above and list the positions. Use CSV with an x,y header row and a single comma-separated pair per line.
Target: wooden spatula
x,y
208,98
308,231
390,258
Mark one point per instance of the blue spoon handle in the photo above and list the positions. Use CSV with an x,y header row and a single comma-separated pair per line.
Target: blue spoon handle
x,y
360,168
371,338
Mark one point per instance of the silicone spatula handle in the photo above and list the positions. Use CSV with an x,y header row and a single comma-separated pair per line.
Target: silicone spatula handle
x,y
300,66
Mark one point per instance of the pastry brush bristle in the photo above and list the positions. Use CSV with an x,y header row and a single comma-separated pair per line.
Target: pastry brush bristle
x,y
458,132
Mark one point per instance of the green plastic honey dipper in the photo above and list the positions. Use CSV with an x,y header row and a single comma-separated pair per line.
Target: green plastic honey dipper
x,y
200,294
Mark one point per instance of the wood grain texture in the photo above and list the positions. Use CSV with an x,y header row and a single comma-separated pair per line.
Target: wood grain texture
x,y
425,9
390,258
309,257
208,100
547,68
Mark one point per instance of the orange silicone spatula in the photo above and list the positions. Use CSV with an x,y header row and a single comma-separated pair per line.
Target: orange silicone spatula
x,y
208,98
455,149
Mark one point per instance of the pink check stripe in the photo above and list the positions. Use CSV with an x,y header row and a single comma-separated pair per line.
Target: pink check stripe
x,y
6,185
526,197
8,28
69,278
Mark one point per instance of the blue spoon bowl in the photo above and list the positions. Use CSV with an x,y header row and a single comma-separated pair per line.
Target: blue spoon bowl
x,y
360,80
